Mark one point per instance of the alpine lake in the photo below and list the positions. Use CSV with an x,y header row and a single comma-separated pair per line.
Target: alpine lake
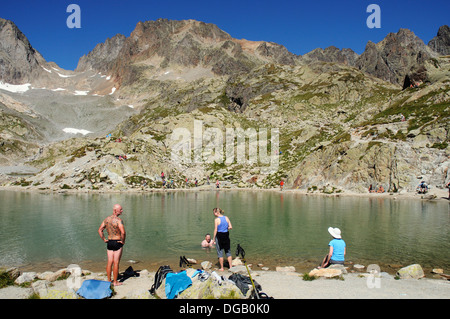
x,y
49,231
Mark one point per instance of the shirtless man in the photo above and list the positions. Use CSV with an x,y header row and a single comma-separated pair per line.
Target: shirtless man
x,y
114,244
207,242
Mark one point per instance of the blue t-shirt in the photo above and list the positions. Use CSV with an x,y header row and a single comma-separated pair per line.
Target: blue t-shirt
x,y
338,249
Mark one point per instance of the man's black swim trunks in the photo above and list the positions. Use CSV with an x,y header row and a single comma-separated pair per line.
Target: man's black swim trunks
x,y
113,245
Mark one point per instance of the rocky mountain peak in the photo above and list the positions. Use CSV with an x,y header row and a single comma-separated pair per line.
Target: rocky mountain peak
x,y
397,55
441,42
19,61
163,44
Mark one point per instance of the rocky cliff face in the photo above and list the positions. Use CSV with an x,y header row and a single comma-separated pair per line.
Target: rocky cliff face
x,y
19,61
165,43
441,42
395,56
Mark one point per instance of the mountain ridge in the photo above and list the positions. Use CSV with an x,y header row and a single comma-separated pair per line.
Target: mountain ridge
x,y
341,120
195,43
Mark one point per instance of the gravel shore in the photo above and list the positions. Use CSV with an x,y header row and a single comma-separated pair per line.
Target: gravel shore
x,y
291,285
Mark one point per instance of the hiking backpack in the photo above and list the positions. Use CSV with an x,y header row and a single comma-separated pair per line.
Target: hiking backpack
x,y
159,277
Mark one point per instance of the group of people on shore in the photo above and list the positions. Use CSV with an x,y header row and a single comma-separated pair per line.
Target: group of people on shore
x,y
115,241
376,190
171,184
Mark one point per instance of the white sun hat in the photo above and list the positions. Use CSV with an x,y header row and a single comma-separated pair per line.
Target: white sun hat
x,y
335,232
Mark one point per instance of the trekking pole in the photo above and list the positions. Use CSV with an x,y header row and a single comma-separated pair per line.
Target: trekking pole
x,y
241,251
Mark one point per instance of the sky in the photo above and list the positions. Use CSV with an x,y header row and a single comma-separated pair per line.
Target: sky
x,y
301,26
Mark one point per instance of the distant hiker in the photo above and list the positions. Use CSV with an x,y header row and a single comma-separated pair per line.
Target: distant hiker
x,y
371,189
281,184
207,242
222,225
217,183
336,255
448,186
380,189
114,244
422,188
162,176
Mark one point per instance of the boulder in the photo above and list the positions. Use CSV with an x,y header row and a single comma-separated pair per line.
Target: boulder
x,y
56,290
325,272
74,270
211,289
25,277
13,273
236,262
54,276
206,265
45,275
358,267
437,271
411,272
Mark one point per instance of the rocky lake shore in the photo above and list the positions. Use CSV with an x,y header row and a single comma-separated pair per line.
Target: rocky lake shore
x,y
348,282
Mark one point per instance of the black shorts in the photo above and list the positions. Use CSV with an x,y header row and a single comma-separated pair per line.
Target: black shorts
x,y
113,245
223,242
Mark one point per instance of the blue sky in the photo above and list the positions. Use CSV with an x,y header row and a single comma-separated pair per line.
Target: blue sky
x,y
300,26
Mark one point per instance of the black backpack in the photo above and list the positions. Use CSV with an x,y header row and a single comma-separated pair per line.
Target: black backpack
x,y
159,277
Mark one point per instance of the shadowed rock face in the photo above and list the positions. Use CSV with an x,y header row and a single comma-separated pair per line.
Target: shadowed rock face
x,y
19,62
395,56
441,42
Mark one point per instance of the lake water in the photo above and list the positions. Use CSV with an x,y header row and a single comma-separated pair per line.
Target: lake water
x,y
50,231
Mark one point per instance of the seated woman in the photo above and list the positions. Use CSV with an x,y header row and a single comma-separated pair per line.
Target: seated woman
x,y
336,255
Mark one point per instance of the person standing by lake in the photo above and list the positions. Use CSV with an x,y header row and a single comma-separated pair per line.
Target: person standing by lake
x,y
336,254
222,226
448,186
114,244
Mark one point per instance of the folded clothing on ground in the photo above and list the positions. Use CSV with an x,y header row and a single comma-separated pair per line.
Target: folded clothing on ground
x,y
176,283
95,289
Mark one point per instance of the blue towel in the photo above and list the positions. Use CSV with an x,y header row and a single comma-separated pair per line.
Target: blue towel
x,y
95,289
176,283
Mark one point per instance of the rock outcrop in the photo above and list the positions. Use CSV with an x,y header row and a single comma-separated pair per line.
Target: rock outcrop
x,y
19,62
332,54
165,44
441,42
395,56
